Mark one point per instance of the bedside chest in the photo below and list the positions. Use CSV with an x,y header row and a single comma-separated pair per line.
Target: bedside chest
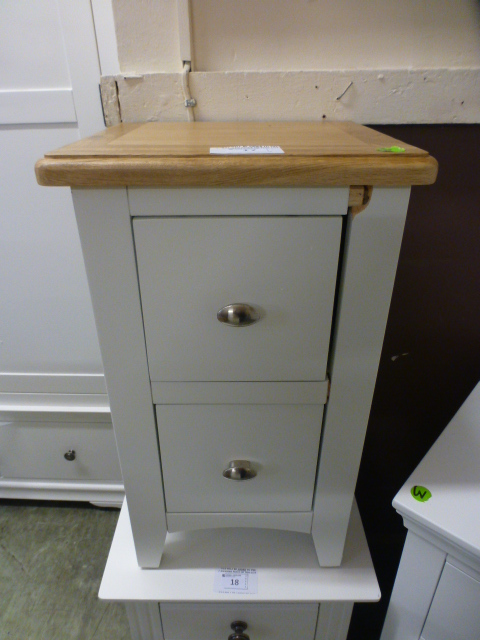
x,y
241,303
437,590
291,597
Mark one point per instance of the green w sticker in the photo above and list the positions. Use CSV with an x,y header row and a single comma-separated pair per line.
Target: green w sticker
x,y
422,494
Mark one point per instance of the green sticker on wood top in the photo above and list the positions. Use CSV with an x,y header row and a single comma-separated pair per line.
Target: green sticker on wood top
x,y
422,494
393,149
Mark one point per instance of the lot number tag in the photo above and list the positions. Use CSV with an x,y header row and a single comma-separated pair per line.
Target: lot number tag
x,y
234,580
242,151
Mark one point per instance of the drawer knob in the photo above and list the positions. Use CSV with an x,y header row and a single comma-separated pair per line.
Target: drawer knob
x,y
238,314
238,629
70,455
239,470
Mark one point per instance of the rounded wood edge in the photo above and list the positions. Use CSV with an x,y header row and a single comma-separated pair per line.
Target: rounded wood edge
x,y
357,208
324,171
43,169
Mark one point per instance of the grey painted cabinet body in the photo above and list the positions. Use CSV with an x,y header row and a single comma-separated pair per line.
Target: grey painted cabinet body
x,y
190,395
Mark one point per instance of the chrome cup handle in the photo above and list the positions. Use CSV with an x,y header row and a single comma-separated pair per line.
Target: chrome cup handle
x,y
238,314
239,470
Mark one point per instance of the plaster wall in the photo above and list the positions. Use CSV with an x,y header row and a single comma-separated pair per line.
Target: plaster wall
x,y
147,36
294,35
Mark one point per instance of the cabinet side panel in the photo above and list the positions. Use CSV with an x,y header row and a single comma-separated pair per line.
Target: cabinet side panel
x,y
372,246
420,568
454,612
144,620
105,229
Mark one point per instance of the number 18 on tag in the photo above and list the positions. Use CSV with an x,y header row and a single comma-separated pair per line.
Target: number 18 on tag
x,y
233,580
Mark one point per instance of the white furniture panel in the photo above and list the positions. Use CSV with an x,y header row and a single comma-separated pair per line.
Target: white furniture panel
x,y
455,610
197,442
37,106
370,255
291,585
288,520
437,590
31,46
417,578
54,383
37,450
451,472
213,622
189,268
34,439
109,226
47,323
238,201
240,392
286,562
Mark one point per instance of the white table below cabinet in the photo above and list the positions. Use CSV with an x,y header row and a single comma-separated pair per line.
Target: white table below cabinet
x,y
171,235
295,599
436,595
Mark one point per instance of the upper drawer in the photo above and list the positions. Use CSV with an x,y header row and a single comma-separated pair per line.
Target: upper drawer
x,y
283,267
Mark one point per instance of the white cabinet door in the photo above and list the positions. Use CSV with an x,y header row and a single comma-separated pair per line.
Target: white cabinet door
x,y
48,97
283,267
455,610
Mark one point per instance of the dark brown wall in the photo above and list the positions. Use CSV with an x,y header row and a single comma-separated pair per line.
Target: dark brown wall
x,y
434,319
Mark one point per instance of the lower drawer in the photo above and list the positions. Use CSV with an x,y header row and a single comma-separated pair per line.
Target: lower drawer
x,y
58,451
198,442
263,622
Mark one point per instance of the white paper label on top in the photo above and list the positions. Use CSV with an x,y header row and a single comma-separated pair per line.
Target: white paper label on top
x,y
240,151
234,580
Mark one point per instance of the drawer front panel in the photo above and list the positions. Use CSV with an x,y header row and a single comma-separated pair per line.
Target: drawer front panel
x,y
285,268
264,622
197,443
36,450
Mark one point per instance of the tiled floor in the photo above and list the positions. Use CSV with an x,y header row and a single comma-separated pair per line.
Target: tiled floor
x,y
52,557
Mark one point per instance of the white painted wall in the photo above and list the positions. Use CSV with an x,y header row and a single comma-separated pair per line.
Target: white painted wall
x,y
290,35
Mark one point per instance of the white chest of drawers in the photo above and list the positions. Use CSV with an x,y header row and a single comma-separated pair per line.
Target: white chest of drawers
x,y
226,426
436,595
58,452
293,597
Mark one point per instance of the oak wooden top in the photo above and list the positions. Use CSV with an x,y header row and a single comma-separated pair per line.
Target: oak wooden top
x,y
178,154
